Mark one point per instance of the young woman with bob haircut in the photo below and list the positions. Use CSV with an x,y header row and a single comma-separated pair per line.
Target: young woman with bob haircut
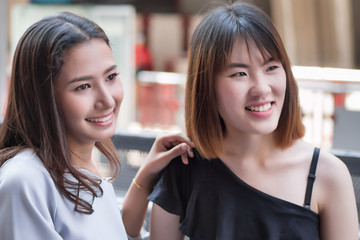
x,y
208,57
64,99
252,176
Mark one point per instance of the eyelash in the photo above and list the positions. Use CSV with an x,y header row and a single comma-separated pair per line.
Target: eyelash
x,y
112,77
238,74
271,68
241,74
82,87
85,86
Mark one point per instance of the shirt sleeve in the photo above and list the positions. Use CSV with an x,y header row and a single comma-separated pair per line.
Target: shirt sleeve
x,y
173,189
27,208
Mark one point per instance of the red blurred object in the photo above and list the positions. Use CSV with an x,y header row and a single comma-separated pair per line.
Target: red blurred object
x,y
157,104
143,58
339,99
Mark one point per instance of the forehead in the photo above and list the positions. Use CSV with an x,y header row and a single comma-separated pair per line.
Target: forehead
x,y
246,49
87,50
90,59
88,56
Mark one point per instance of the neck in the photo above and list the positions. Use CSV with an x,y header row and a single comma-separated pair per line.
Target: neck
x,y
85,158
249,146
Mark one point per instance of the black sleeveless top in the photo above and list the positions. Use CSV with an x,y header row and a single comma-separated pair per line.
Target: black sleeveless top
x,y
213,203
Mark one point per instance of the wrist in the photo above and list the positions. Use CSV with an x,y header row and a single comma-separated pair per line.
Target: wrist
x,y
139,186
143,184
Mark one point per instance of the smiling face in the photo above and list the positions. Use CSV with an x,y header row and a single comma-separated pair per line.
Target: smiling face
x,y
89,93
250,90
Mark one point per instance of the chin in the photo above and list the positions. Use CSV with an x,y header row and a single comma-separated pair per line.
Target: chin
x,y
266,131
105,136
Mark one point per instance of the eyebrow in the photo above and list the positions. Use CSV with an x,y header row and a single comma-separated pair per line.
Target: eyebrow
x,y
243,65
84,78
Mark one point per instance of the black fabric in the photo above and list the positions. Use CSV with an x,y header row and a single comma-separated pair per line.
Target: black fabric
x,y
213,203
311,178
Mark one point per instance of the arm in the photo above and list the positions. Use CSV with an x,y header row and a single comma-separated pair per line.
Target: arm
x,y
164,149
164,225
337,205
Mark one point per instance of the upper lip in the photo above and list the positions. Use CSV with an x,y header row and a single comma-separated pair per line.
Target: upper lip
x,y
99,117
259,104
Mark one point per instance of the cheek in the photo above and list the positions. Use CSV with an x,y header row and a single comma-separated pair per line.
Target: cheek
x,y
74,110
283,88
225,99
280,84
229,93
117,92
71,108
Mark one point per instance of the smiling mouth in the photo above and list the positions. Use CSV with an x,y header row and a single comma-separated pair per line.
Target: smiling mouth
x,y
260,108
99,120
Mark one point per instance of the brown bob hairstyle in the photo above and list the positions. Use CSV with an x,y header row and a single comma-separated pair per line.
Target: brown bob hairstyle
x,y
33,119
210,47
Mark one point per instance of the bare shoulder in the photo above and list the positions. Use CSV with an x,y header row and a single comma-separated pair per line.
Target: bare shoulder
x,y
333,186
333,181
331,173
331,169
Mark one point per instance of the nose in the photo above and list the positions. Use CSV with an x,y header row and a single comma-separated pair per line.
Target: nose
x,y
104,97
260,85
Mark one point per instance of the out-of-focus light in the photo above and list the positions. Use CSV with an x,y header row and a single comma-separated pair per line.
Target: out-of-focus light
x,y
352,101
326,74
161,77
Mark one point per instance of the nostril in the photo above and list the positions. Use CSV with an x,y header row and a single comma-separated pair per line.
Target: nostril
x,y
260,90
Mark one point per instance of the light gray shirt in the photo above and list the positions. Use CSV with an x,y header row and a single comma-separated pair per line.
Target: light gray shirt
x,y
32,208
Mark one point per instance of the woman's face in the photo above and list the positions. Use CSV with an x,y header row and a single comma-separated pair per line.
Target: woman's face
x,y
89,92
250,90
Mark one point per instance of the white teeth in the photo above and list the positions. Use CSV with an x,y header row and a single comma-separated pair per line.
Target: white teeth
x,y
262,108
100,119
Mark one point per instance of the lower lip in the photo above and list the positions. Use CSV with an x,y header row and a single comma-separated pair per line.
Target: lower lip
x,y
262,115
103,124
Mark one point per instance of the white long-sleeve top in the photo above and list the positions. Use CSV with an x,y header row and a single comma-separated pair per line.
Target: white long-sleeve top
x,y
32,208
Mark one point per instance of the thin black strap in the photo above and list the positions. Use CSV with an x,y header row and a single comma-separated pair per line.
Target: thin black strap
x,y
311,178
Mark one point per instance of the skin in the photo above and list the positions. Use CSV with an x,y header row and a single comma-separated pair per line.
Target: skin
x,y
165,148
251,80
89,93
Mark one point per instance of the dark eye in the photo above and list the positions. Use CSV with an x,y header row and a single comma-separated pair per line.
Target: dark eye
x,y
239,74
82,87
271,68
112,76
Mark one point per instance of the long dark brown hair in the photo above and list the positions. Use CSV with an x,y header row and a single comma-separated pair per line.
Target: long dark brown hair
x,y
33,119
209,52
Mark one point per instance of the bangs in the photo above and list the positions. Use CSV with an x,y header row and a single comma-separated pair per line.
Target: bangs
x,y
265,43
257,27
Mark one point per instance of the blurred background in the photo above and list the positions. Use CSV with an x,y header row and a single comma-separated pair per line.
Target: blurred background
x,y
150,40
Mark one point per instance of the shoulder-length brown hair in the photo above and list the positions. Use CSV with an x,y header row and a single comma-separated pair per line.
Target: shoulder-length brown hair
x,y
210,47
32,118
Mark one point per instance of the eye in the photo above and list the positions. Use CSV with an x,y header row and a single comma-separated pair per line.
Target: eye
x,y
82,87
271,68
238,74
112,77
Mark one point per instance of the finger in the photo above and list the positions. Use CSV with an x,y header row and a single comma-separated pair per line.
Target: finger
x,y
177,151
184,158
175,139
190,152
